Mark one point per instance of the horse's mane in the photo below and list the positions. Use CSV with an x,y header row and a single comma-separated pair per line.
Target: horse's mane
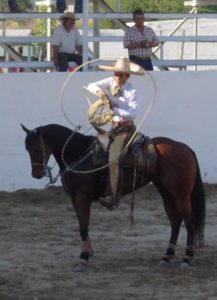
x,y
55,132
57,135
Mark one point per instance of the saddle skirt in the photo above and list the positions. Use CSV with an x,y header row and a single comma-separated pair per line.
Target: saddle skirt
x,y
140,154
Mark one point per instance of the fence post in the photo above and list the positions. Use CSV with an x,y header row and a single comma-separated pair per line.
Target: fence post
x,y
85,33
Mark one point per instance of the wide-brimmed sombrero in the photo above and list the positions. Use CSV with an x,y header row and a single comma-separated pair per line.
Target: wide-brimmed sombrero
x,y
68,15
124,65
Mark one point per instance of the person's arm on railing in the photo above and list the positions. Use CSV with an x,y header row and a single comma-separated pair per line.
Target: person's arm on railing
x,y
79,49
55,56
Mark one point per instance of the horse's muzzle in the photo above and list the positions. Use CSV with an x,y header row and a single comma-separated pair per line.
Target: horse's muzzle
x,y
38,174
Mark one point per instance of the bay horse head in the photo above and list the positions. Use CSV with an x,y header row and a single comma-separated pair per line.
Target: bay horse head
x,y
38,151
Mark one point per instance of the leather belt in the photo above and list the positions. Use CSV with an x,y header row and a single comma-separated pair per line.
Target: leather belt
x,y
137,57
124,123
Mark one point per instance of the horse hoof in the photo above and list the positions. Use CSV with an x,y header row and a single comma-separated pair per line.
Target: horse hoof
x,y
164,263
80,267
184,265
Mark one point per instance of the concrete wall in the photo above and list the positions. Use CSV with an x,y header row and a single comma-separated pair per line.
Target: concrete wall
x,y
185,109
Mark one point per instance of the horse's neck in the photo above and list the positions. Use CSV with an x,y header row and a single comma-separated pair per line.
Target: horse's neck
x,y
70,149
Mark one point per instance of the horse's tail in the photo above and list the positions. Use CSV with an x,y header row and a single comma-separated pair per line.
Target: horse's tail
x,y
198,207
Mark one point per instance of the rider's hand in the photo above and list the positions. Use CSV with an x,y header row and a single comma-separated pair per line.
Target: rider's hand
x,y
111,104
101,93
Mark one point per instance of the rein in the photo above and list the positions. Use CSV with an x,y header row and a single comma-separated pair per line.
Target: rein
x,y
46,169
77,128
132,204
71,167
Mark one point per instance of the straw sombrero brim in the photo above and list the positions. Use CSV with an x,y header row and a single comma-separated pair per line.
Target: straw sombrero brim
x,y
68,15
134,69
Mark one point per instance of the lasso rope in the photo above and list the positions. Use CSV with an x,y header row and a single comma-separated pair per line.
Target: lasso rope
x,y
131,139
65,84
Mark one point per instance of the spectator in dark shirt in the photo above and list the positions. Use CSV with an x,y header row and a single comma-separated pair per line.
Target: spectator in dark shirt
x,y
139,40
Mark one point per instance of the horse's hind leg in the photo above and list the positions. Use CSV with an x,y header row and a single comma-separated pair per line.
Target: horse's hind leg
x,y
189,251
186,211
175,223
170,252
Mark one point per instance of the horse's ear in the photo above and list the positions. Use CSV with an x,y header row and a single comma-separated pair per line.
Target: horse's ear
x,y
25,129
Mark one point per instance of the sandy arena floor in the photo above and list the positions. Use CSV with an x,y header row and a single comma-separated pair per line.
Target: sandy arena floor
x,y
40,244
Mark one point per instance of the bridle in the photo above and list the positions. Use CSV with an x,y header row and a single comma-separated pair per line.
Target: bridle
x,y
43,163
46,169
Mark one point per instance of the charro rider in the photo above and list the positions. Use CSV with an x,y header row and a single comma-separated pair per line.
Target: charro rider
x,y
123,101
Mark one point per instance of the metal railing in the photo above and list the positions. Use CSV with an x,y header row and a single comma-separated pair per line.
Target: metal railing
x,y
158,61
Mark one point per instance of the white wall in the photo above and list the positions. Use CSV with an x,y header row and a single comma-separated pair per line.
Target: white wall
x,y
185,109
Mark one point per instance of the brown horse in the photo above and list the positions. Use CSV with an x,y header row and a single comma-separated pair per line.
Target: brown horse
x,y
176,175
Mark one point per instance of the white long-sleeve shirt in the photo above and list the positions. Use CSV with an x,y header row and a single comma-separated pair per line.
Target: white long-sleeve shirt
x,y
126,105
66,41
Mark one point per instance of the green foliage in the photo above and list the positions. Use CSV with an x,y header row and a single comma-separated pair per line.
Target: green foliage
x,y
24,5
3,5
109,23
41,24
207,9
154,6
41,30
149,6
159,6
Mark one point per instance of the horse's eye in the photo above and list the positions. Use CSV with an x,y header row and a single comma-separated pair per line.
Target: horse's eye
x,y
37,151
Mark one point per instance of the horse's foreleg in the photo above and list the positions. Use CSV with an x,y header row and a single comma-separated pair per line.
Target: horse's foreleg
x,y
82,208
86,247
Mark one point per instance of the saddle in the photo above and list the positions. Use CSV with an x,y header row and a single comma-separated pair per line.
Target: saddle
x,y
140,154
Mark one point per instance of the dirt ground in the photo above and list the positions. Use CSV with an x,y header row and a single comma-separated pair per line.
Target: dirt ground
x,y
40,245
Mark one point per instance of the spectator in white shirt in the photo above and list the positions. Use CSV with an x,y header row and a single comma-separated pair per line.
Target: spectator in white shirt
x,y
66,43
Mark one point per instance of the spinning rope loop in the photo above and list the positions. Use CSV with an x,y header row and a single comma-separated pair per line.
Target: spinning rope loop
x,y
95,116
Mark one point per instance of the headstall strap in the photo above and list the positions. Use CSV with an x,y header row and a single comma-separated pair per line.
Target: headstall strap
x,y
47,170
43,155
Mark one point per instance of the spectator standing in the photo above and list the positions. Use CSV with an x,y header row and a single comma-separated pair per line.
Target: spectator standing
x,y
13,7
139,40
60,5
66,43
78,8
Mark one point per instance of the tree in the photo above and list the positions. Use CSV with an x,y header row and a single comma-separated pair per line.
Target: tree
x,y
41,30
154,6
24,5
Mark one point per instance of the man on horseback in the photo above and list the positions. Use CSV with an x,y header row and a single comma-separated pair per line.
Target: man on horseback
x,y
123,100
